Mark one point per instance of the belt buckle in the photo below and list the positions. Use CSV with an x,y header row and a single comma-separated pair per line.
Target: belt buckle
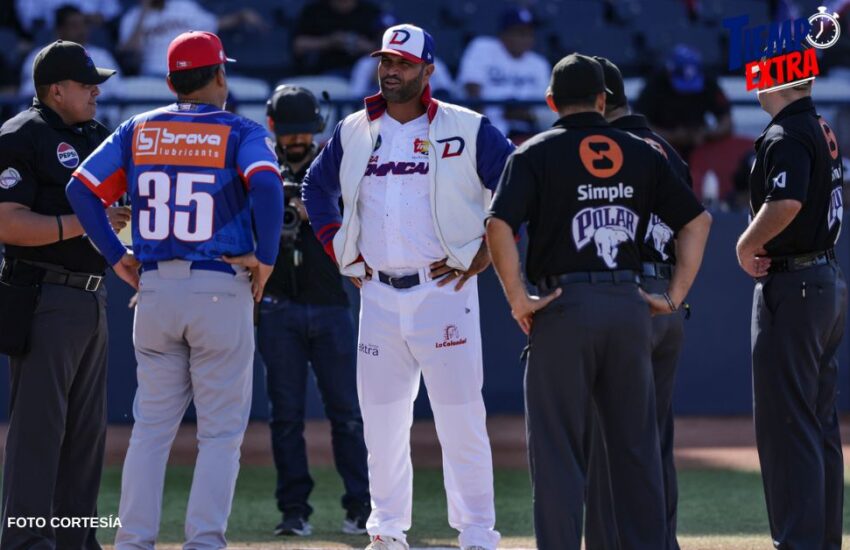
x,y
93,283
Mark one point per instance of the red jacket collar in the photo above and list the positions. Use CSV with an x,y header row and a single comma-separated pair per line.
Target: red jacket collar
x,y
376,105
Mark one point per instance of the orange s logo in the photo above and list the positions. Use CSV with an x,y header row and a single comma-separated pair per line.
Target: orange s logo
x,y
601,156
831,140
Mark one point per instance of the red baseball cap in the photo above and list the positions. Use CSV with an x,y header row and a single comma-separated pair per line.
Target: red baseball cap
x,y
195,49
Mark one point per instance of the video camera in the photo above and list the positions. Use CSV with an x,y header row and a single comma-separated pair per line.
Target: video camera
x,y
291,216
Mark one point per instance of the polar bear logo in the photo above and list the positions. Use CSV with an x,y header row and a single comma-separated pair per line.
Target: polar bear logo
x,y
660,235
608,240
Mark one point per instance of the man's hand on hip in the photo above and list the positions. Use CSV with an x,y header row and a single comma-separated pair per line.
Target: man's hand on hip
x,y
479,263
357,281
260,272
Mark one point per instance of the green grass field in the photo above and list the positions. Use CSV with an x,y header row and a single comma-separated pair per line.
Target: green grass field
x,y
719,509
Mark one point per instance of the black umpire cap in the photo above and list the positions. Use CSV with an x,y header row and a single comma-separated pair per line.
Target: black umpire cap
x,y
63,60
294,110
576,76
616,96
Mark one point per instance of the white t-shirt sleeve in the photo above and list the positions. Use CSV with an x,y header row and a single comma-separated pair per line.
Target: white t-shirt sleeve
x,y
473,70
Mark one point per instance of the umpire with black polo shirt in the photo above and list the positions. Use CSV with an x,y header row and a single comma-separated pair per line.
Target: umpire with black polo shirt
x,y
52,308
587,192
658,252
799,308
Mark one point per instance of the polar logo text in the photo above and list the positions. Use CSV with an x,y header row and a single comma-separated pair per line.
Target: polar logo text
x,y
452,147
181,143
600,155
608,227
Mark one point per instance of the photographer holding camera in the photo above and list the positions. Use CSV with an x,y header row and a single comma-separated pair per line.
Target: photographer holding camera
x,y
304,319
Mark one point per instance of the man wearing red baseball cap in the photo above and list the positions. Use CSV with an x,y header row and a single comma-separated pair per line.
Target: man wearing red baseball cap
x,y
208,210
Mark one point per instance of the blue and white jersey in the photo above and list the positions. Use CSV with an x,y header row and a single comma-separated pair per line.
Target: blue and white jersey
x,y
186,168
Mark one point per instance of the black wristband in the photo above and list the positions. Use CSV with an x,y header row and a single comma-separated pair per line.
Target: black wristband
x,y
61,229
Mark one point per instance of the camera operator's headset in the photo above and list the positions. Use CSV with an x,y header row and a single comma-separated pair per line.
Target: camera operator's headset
x,y
293,110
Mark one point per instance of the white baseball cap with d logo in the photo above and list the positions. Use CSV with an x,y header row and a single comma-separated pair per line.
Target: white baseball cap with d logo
x,y
408,41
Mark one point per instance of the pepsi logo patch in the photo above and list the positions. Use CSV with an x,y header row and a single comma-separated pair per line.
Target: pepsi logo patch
x,y
67,156
9,178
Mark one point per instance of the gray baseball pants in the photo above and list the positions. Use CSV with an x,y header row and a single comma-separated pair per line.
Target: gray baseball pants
x,y
194,340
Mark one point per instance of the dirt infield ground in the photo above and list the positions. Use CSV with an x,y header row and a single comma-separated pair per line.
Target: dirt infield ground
x,y
727,442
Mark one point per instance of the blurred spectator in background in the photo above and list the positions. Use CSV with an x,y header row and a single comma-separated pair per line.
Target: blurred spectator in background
x,y
72,25
331,35
146,30
507,68
40,14
683,104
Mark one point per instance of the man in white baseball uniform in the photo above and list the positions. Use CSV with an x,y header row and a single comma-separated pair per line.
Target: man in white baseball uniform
x,y
415,176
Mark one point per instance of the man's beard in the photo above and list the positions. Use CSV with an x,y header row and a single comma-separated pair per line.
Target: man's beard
x,y
406,92
297,153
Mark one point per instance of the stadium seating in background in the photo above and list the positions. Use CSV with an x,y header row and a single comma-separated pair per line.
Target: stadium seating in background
x,y
250,89
149,91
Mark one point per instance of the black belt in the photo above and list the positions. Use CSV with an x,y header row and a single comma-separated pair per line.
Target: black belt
x,y
655,270
406,281
551,282
21,273
783,264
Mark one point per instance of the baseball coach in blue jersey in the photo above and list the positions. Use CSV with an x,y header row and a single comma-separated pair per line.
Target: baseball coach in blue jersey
x,y
415,176
198,177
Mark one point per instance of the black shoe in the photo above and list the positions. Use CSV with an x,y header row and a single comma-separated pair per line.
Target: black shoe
x,y
294,525
355,523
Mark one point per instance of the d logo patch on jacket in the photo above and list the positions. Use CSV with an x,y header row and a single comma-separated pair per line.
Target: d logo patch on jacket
x,y
452,147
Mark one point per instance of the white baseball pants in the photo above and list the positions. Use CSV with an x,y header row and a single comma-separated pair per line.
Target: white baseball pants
x,y
436,332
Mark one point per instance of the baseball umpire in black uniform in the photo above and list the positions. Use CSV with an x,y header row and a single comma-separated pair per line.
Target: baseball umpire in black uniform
x,y
587,191
52,308
799,308
658,252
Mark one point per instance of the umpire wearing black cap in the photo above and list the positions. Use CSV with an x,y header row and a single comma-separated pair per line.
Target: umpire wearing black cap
x,y
798,318
305,321
658,252
52,309
588,191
